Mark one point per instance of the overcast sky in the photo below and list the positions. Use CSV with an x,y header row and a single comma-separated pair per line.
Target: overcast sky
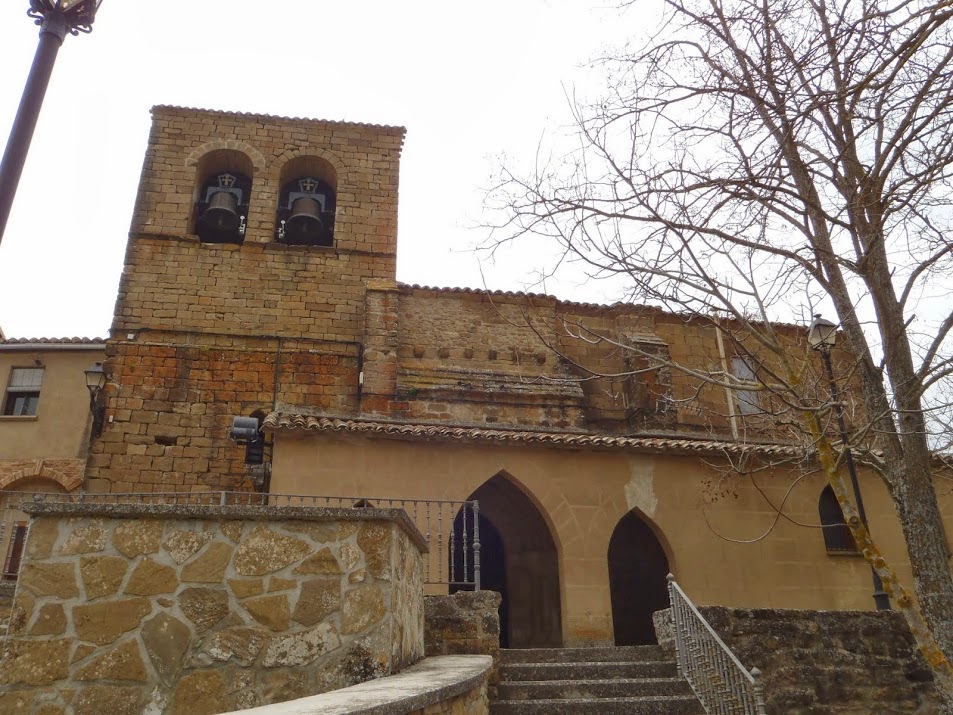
x,y
469,81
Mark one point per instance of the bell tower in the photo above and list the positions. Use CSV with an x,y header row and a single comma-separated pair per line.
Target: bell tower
x,y
252,243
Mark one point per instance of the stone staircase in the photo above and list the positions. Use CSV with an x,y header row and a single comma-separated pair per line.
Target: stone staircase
x,y
636,680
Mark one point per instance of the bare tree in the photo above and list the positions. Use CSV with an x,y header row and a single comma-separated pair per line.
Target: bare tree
x,y
756,156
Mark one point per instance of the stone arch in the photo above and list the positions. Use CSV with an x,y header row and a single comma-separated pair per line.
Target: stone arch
x,y
279,167
638,566
256,158
40,470
520,558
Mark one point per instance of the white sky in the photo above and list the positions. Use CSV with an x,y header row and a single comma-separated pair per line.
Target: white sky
x,y
470,81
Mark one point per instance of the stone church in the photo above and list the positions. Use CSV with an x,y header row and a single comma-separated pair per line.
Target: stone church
x,y
260,283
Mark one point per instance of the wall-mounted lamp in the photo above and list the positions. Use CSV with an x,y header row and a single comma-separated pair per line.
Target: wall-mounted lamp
x,y
95,382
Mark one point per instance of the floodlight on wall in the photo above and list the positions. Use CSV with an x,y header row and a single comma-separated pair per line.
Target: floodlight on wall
x,y
95,383
245,430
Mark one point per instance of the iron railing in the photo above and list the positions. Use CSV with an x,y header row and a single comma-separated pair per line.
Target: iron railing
x,y
451,528
722,684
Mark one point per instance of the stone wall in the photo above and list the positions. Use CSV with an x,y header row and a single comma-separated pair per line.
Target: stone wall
x,y
465,623
472,702
192,610
825,662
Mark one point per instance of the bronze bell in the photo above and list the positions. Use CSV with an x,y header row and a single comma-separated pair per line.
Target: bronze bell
x,y
221,216
305,225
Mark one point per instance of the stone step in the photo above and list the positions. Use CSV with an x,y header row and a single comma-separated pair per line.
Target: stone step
x,y
587,671
651,705
582,655
577,689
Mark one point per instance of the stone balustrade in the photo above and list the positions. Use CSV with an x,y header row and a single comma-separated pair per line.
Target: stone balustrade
x,y
203,609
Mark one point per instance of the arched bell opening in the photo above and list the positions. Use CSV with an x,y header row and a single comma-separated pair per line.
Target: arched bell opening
x,y
222,195
307,203
519,559
637,584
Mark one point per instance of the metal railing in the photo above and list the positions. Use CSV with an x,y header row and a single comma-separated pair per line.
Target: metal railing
x,y
451,528
722,684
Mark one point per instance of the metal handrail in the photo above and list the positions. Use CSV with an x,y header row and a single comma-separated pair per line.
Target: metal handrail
x,y
443,565
719,680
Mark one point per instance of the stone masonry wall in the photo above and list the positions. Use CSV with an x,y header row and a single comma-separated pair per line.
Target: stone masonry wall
x,y
465,623
825,662
205,331
199,610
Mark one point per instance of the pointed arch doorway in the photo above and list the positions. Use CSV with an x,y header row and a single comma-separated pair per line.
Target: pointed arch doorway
x,y
638,568
518,558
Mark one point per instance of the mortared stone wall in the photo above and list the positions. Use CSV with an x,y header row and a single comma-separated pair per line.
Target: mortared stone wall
x,y
196,610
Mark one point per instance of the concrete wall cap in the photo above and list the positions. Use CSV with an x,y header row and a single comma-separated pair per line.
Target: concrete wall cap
x,y
432,680
230,512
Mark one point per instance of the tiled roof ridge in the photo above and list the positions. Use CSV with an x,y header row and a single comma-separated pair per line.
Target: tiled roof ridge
x,y
257,115
291,421
54,341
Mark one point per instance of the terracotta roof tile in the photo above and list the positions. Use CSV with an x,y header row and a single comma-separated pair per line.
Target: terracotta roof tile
x,y
679,445
54,341
273,117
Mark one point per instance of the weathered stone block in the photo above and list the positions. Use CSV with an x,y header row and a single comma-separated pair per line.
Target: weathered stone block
x,y
323,562
50,579
112,699
266,551
35,662
50,621
182,544
375,538
200,693
271,611
137,537
363,607
120,662
301,648
104,622
204,606
210,565
102,575
150,578
240,643
84,540
166,640
245,587
319,598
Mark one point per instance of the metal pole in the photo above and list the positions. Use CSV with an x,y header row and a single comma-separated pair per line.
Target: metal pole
x,y
880,596
52,32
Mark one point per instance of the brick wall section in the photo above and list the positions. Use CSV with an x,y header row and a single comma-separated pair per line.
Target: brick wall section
x,y
380,348
826,662
172,406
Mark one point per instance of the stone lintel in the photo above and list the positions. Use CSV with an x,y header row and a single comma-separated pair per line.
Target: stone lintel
x,y
432,680
230,512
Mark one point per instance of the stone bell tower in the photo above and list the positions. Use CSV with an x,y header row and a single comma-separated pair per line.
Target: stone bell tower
x,y
252,242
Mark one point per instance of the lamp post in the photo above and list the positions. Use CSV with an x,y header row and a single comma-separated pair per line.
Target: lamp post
x,y
55,18
821,336
95,382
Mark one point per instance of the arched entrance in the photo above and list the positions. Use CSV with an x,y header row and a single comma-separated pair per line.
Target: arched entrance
x,y
637,586
519,559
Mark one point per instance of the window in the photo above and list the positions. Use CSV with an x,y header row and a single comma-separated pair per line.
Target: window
x,y
23,392
748,401
11,565
837,536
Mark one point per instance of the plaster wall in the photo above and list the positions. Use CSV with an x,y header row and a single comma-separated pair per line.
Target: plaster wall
x,y
724,541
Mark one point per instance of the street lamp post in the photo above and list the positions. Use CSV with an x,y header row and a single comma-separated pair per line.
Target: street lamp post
x,y
55,18
821,336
